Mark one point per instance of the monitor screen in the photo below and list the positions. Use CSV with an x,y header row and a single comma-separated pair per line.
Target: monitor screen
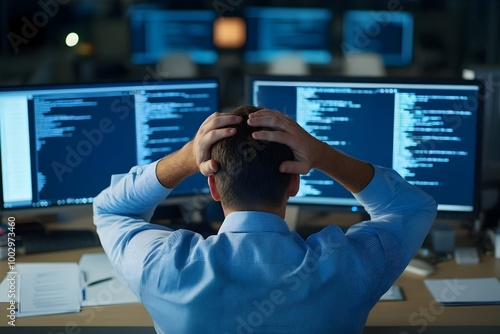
x,y
61,144
274,32
155,33
490,77
427,131
387,33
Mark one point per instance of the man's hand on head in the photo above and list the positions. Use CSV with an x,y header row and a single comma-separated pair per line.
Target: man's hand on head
x,y
195,155
213,129
306,148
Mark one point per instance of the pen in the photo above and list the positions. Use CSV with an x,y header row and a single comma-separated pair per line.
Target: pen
x,y
100,281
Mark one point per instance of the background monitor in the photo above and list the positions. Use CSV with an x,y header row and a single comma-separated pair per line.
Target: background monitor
x,y
273,32
490,77
61,144
428,131
156,33
387,33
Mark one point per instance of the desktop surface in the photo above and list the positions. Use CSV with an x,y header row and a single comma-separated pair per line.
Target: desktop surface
x,y
417,312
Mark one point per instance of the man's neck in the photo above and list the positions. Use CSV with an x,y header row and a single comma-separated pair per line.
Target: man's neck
x,y
280,211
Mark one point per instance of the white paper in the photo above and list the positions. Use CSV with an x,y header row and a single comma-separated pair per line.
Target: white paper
x,y
462,291
103,287
394,293
49,289
97,282
95,267
4,290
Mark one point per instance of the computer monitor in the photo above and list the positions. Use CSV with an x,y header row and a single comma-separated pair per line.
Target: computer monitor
x,y
387,33
156,33
277,31
490,77
61,144
428,131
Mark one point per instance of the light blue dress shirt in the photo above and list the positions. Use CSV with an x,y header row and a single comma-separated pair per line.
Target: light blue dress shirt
x,y
255,276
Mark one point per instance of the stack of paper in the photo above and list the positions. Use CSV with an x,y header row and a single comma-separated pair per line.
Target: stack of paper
x,y
461,291
54,287
48,288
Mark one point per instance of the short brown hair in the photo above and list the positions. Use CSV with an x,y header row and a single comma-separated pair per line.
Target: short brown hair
x,y
248,175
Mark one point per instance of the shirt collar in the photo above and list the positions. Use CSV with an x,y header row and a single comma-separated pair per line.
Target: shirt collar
x,y
253,221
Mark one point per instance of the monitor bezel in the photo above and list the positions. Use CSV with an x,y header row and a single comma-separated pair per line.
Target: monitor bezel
x,y
444,214
174,199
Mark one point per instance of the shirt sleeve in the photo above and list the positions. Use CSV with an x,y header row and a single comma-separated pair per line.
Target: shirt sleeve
x,y
122,213
400,218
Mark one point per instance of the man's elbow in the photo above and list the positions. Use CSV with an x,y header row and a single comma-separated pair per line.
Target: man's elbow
x,y
426,203
432,205
429,210
99,207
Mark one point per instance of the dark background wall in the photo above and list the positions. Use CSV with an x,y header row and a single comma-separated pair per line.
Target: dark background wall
x,y
449,35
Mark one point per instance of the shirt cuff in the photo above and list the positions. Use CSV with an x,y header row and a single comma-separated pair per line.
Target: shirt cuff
x,y
150,187
382,188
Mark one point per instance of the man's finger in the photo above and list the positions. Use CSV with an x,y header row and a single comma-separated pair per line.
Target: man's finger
x,y
270,120
294,167
265,112
209,167
218,120
215,135
274,136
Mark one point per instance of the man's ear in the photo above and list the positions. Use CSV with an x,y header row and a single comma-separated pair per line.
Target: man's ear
x,y
213,188
293,188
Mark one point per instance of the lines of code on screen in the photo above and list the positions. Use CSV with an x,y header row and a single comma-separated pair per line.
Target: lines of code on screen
x,y
80,143
424,132
81,139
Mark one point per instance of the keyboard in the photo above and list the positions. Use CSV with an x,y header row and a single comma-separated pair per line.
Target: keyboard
x,y
57,241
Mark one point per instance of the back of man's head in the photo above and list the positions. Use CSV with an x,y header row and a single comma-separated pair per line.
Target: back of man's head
x,y
248,177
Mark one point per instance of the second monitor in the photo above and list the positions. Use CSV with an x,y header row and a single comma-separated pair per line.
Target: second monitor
x,y
61,143
273,32
428,131
156,33
386,33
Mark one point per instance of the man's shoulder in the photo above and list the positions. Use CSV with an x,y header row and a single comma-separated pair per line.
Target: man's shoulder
x,y
329,236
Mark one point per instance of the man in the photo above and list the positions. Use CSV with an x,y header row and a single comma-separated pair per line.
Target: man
x,y
255,276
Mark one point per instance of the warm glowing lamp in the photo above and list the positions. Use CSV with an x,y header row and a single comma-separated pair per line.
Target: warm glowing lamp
x,y
229,32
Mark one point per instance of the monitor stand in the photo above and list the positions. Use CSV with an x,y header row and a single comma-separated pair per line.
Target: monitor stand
x,y
292,216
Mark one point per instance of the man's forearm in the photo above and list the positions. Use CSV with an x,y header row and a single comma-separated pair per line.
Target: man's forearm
x,y
175,167
352,173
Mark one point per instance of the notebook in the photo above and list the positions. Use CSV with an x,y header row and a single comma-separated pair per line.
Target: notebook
x,y
465,291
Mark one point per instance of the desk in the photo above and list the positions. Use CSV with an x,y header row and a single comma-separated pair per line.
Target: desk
x,y
414,314
419,308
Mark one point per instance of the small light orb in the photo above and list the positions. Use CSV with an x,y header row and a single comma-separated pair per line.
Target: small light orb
x,y
72,39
